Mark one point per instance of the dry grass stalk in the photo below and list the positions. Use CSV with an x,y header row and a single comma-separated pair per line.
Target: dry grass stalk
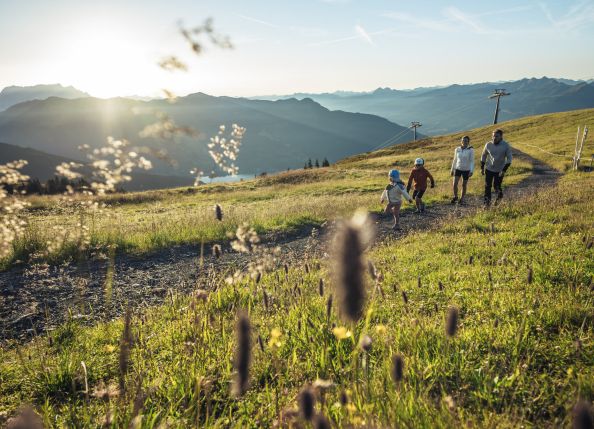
x,y
452,321
125,346
307,403
350,284
243,354
397,368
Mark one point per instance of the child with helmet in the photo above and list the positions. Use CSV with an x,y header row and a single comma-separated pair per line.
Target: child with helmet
x,y
418,180
393,195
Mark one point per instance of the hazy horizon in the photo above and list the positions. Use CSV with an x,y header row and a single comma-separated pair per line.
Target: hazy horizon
x,y
339,90
112,49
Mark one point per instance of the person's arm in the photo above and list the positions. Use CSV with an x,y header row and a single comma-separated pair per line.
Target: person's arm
x,y
384,196
410,178
431,178
406,195
454,162
508,159
471,161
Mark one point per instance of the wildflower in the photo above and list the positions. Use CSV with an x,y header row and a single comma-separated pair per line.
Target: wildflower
x,y
365,343
342,333
450,403
380,329
243,354
404,297
530,275
322,384
329,307
321,287
275,336
452,321
440,285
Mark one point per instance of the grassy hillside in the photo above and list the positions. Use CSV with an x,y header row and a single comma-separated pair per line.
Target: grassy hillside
x,y
522,355
140,222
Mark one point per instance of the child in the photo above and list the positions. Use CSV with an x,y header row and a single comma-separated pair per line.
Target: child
x,y
393,195
419,176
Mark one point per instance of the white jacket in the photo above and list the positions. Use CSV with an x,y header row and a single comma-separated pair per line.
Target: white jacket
x,y
394,193
463,159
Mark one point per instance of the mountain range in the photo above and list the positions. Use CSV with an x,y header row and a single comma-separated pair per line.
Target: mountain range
x,y
12,95
280,134
459,107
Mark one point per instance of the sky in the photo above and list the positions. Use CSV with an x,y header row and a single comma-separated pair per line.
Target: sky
x,y
112,47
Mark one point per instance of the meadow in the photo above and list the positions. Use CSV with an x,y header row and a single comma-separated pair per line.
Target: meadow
x,y
482,322
523,353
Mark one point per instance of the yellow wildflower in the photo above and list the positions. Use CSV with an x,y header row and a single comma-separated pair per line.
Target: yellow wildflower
x,y
342,333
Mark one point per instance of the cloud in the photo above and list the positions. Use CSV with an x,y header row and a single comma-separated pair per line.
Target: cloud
x,y
363,34
358,36
456,14
452,16
258,21
579,15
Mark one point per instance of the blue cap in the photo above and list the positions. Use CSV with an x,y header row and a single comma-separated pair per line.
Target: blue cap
x,y
394,174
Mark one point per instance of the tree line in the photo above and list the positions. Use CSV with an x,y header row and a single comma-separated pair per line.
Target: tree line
x,y
53,186
309,164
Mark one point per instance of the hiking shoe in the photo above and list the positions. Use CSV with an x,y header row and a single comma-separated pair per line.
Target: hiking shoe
x,y
418,211
455,200
396,228
461,203
423,208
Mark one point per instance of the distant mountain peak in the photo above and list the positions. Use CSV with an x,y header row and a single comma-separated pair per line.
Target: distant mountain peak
x,y
12,95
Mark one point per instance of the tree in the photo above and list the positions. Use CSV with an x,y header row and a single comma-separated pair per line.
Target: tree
x,y
317,163
309,164
305,166
325,163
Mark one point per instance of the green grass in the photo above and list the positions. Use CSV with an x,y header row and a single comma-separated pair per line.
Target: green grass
x,y
513,362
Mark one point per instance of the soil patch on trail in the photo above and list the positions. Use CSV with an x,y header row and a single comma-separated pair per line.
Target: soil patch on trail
x,y
40,298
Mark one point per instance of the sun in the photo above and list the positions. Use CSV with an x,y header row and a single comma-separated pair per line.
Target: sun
x,y
107,61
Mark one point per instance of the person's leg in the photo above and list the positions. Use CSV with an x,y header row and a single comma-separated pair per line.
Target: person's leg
x,y
455,189
497,185
464,187
396,213
415,197
420,197
488,184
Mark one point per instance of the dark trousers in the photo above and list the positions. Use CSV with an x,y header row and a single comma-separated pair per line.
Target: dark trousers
x,y
492,179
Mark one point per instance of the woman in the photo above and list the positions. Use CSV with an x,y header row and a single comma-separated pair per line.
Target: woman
x,y
462,166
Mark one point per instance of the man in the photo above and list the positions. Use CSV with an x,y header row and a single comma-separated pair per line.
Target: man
x,y
462,166
495,160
